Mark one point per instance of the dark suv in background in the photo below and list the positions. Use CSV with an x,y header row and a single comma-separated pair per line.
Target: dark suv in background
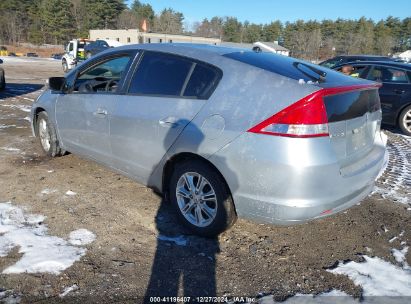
x,y
395,92
333,62
95,47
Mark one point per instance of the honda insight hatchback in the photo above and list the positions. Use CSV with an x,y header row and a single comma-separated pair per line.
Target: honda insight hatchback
x,y
220,132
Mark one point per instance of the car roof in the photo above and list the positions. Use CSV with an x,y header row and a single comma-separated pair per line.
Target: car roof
x,y
370,62
364,56
178,47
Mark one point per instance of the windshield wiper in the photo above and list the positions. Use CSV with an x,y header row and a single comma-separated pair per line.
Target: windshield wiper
x,y
320,73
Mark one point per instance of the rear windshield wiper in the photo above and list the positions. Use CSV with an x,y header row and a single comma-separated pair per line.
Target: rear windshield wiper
x,y
320,73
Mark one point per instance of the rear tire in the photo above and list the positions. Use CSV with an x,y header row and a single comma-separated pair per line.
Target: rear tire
x,y
404,121
47,135
201,198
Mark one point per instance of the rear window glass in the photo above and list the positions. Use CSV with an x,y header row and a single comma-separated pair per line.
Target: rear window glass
x,y
280,64
160,74
351,105
202,82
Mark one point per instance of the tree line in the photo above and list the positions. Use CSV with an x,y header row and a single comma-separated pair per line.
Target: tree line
x,y
56,21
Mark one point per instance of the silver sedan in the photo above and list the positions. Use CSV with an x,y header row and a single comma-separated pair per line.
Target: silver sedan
x,y
220,132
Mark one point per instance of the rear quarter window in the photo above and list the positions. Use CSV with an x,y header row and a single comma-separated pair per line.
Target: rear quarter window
x,y
203,81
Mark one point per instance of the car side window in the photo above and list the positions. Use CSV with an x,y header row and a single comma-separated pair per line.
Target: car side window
x,y
104,76
203,81
160,74
387,74
353,70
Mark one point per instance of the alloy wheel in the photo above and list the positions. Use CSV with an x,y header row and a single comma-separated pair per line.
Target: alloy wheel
x,y
44,134
196,199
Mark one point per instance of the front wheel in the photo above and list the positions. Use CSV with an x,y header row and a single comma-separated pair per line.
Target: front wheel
x,y
201,198
47,135
405,121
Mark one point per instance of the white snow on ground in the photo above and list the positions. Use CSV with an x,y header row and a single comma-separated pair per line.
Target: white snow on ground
x,y
48,191
395,182
67,290
8,297
377,277
70,193
24,108
10,149
178,240
40,252
81,237
399,256
2,126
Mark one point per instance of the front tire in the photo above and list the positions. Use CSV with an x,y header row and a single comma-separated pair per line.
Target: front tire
x,y
47,135
404,121
201,198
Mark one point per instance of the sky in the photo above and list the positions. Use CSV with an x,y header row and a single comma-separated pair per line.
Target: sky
x,y
265,11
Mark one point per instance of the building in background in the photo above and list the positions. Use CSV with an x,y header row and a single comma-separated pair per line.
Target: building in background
x,y
135,36
270,47
132,36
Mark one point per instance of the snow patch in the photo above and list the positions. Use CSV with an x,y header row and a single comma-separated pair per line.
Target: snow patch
x,y
178,240
67,290
24,108
2,126
70,193
10,149
377,277
81,237
395,179
48,191
40,252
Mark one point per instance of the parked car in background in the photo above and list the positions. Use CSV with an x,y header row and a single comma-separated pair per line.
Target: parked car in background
x,y
32,55
95,47
395,93
221,132
2,78
57,56
338,60
12,54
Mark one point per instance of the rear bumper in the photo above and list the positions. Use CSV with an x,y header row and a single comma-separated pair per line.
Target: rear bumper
x,y
283,180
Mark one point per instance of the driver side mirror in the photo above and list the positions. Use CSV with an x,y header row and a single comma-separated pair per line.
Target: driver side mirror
x,y
56,83
1,61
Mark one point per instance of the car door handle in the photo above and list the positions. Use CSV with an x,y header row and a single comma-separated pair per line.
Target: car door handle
x,y
100,112
169,122
398,91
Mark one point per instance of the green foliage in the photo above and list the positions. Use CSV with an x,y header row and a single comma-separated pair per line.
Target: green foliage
x,y
56,21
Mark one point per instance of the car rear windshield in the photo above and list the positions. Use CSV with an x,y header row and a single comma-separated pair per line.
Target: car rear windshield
x,y
279,64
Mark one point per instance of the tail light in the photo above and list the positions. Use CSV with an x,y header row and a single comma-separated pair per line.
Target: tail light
x,y
305,118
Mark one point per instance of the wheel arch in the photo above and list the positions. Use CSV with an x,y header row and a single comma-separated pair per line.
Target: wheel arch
x,y
36,113
406,104
181,157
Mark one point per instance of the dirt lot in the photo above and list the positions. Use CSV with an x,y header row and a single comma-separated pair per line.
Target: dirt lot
x,y
130,258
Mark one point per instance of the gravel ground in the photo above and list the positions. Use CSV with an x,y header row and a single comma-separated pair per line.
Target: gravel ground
x,y
131,256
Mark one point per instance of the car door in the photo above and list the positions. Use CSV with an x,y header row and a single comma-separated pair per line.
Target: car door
x,y
395,85
83,113
165,93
